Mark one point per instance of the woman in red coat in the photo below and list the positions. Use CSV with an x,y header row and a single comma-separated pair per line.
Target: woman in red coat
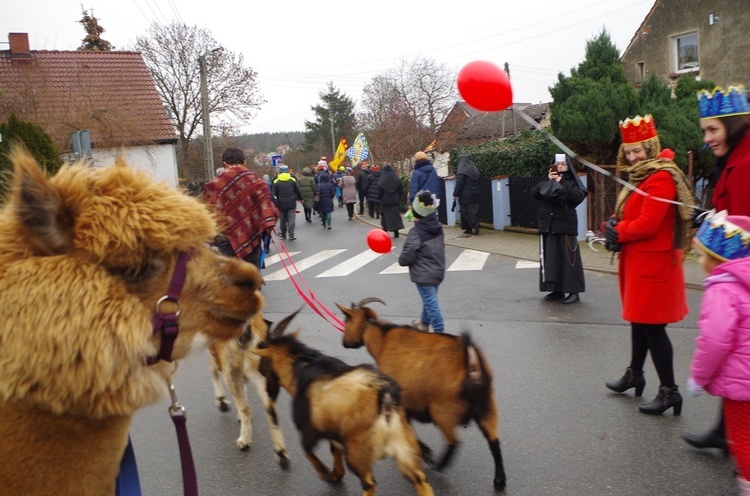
x,y
651,235
725,121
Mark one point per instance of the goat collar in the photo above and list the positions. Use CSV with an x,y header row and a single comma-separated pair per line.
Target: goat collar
x,y
166,323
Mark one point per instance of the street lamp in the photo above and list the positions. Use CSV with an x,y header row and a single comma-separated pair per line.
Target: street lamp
x,y
208,151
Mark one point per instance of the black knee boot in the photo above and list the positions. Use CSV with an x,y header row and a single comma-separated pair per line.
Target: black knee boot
x,y
631,379
667,398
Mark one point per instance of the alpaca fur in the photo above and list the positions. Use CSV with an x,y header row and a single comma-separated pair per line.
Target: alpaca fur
x,y
356,408
84,257
237,365
446,379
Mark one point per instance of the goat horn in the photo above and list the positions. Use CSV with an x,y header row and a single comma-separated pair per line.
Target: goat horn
x,y
281,326
371,299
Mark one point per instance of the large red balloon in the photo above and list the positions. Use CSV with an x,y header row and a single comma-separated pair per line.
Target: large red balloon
x,y
379,241
485,86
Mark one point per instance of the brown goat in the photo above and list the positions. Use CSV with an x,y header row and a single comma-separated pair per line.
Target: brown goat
x,y
356,408
446,379
233,361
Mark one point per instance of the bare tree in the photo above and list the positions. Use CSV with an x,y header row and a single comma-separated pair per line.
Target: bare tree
x,y
171,53
428,89
393,132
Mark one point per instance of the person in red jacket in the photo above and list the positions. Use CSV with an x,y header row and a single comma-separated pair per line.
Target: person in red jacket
x,y
651,235
725,121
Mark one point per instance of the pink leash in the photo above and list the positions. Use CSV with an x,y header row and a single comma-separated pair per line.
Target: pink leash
x,y
311,300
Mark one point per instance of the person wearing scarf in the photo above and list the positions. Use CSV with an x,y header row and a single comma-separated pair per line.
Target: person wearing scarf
x,y
652,235
390,200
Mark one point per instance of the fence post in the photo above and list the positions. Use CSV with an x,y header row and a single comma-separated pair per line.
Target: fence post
x,y
500,203
582,211
450,217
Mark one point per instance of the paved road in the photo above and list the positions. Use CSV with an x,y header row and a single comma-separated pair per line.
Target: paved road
x,y
563,433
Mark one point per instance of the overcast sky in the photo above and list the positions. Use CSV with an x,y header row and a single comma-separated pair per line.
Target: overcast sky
x,y
298,46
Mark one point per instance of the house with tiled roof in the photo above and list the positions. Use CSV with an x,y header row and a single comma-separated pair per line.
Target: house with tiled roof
x,y
110,94
466,126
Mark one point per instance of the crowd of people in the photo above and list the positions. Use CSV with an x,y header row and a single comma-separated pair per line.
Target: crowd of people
x,y
650,231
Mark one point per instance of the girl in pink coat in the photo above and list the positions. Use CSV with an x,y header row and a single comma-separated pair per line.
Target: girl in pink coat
x,y
721,363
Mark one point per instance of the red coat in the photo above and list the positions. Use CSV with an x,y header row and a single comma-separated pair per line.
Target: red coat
x,y
652,281
731,193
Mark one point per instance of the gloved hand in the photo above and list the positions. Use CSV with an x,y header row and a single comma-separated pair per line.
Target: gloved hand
x,y
699,215
610,234
694,390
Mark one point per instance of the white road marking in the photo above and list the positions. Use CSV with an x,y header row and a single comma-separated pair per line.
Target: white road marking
x,y
527,264
308,262
396,269
276,258
350,265
469,260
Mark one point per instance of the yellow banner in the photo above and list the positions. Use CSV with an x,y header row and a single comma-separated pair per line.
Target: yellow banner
x,y
338,157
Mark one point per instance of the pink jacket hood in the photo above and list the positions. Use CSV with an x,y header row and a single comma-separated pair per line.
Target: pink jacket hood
x,y
721,362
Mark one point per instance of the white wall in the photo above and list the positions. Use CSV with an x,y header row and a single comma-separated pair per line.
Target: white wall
x,y
159,160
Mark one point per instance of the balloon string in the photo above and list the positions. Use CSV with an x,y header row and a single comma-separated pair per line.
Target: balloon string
x,y
598,169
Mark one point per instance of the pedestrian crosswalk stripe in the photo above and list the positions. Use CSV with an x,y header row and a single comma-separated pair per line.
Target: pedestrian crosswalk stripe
x,y
308,262
276,258
396,269
469,260
352,264
527,264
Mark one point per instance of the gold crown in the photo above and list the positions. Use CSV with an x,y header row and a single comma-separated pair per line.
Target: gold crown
x,y
638,129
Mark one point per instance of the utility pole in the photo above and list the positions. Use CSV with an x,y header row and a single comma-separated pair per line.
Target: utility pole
x,y
208,150
333,139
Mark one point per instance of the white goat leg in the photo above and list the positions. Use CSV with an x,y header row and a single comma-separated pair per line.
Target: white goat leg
x,y
235,379
219,394
277,437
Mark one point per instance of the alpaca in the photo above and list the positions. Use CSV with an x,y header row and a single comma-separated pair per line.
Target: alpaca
x,y
86,258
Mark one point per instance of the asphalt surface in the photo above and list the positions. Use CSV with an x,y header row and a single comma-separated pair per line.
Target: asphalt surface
x,y
562,431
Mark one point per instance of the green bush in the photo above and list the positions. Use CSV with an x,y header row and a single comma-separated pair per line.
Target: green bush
x,y
526,154
36,141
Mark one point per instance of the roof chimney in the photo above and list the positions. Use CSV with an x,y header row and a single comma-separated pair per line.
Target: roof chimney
x,y
19,45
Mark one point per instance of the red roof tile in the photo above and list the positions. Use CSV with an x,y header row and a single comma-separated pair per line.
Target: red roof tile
x,y
109,93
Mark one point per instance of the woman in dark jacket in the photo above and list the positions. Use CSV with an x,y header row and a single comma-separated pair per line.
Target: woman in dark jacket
x,y
561,268
373,192
325,192
390,200
467,194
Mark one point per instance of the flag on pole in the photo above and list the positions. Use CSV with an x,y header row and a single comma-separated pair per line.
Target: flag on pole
x,y
360,150
431,146
339,156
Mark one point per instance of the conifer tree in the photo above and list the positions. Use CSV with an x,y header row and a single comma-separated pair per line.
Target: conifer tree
x,y
93,41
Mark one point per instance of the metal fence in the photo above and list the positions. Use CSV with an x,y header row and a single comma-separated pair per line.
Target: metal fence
x,y
602,198
523,208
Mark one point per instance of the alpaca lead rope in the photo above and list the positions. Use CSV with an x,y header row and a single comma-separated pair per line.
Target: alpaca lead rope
x,y
175,407
177,414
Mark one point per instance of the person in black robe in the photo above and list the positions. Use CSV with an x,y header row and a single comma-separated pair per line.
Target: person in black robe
x,y
467,194
561,267
390,200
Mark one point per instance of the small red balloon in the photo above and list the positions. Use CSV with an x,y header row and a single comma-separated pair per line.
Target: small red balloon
x,y
379,241
485,86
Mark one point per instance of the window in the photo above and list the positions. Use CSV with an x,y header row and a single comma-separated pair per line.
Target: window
x,y
641,72
687,52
